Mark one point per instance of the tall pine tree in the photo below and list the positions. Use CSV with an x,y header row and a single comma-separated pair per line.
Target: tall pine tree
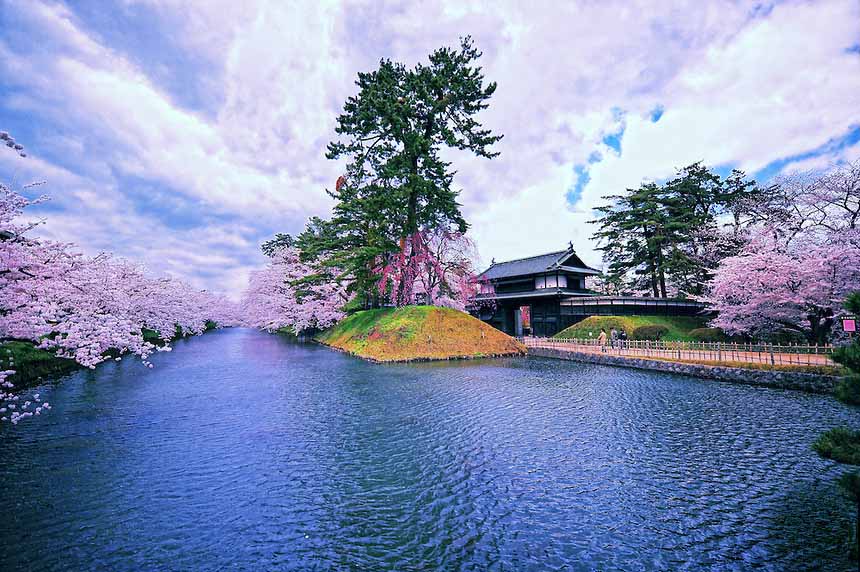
x,y
396,184
666,239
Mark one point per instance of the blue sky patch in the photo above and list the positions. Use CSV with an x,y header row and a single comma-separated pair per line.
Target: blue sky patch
x,y
833,146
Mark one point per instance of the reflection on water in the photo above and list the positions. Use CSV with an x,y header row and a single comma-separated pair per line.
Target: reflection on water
x,y
243,451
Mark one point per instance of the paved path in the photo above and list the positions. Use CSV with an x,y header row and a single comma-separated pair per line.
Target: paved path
x,y
699,355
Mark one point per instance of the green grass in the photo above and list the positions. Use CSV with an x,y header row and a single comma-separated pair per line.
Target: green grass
x,y
678,326
30,363
417,332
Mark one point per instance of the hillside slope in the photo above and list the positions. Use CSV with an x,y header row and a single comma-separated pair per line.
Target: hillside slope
x,y
678,326
418,333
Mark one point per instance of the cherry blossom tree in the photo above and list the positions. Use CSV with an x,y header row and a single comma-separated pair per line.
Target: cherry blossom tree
x,y
798,259
83,307
281,296
773,287
435,268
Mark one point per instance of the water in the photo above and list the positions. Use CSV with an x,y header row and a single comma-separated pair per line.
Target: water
x,y
243,451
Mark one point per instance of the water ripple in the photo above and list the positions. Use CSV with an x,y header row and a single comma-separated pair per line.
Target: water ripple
x,y
242,451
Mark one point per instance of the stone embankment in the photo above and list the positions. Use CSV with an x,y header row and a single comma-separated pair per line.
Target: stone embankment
x,y
813,383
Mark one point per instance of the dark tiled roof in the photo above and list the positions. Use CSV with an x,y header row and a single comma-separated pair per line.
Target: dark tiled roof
x,y
532,265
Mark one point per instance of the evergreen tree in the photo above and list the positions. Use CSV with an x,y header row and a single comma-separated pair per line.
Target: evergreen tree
x,y
849,356
396,184
273,245
842,444
669,234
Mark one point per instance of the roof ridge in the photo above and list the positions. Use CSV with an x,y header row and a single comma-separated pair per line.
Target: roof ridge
x,y
530,257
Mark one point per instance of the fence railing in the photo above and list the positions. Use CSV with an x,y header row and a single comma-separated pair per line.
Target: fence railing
x,y
773,354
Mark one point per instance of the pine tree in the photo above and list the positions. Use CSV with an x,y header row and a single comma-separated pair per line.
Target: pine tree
x,y
396,184
668,234
842,444
849,356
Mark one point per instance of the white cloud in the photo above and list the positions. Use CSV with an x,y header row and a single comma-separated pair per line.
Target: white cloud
x,y
741,83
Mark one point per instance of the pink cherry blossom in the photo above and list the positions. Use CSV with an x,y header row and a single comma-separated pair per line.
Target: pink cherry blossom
x,y
435,268
274,300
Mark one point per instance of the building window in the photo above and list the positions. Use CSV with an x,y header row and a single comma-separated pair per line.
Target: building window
x,y
551,281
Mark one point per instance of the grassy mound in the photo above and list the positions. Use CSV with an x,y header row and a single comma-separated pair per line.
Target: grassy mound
x,y
678,328
418,333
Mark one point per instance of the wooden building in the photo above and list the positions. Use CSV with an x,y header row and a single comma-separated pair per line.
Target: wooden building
x,y
542,295
523,296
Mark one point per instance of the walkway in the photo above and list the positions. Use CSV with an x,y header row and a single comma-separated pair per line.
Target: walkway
x,y
724,353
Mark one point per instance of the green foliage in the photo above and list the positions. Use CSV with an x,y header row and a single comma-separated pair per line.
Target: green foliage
x,y
840,444
659,234
848,390
678,326
708,335
852,303
31,363
655,332
849,356
392,134
850,483
281,240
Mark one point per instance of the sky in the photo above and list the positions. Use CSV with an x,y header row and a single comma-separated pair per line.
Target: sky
x,y
183,134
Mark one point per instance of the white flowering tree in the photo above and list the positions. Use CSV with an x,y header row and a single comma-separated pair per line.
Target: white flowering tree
x,y
280,297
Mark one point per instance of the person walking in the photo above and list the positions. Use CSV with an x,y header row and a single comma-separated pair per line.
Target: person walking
x,y
601,340
613,337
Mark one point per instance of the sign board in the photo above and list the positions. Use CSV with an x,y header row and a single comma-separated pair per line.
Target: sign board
x,y
849,323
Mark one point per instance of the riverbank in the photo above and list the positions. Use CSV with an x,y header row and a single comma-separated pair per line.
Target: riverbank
x,y
418,333
33,365
782,379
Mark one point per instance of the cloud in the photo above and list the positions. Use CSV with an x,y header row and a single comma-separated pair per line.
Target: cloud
x,y
592,98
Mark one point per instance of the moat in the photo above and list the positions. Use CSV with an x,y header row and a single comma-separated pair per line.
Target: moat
x,y
245,451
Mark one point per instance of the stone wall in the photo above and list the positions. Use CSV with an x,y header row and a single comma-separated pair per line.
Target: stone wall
x,y
813,383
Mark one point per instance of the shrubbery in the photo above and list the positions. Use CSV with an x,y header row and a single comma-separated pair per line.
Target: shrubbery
x,y
848,390
840,444
708,335
649,332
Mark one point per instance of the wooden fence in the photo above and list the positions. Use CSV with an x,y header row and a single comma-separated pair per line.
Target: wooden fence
x,y
773,354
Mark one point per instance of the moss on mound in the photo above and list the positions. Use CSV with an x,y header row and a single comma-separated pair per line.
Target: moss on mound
x,y
418,333
678,328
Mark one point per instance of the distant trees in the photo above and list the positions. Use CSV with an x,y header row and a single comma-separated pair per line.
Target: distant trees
x,y
280,296
771,261
667,239
397,194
